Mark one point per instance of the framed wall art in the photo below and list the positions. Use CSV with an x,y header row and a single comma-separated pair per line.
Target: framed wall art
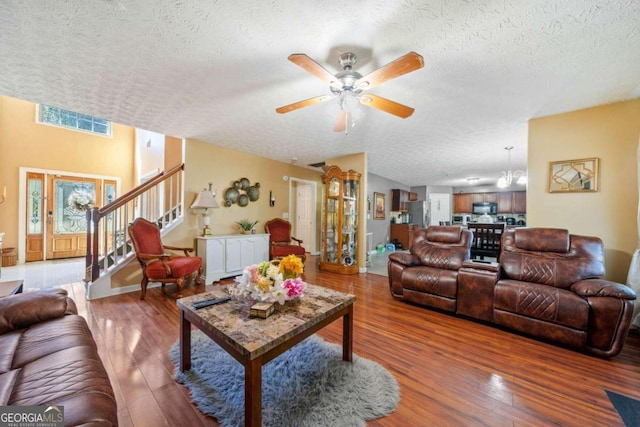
x,y
574,176
379,206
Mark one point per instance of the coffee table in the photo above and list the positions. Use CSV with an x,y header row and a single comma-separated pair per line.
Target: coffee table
x,y
10,287
254,341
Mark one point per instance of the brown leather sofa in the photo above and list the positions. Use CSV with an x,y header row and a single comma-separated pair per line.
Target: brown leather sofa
x,y
49,357
428,275
547,284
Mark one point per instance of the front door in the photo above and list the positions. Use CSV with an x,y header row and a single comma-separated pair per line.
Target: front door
x,y
68,200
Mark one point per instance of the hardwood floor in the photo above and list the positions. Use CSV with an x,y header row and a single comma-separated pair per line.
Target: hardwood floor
x,y
451,371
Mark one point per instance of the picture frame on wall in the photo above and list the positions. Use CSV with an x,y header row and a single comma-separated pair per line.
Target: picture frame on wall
x,y
574,176
379,206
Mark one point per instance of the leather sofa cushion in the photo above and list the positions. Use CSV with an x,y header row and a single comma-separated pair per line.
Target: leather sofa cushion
x,y
448,251
435,281
542,302
542,239
584,259
66,332
74,378
8,381
56,362
44,305
444,234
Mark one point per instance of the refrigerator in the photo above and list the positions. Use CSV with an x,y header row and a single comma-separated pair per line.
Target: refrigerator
x,y
419,213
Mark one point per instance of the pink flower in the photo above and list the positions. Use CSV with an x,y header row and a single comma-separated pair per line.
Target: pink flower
x,y
253,272
294,287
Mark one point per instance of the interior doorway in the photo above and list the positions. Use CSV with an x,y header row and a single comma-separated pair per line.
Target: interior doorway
x,y
303,212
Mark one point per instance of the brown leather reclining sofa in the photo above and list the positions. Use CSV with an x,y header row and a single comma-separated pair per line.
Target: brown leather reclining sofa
x,y
49,357
547,284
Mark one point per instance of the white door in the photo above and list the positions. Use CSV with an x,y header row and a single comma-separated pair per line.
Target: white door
x,y
440,207
304,214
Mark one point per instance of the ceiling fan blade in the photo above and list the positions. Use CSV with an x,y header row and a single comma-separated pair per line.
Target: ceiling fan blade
x,y
301,104
386,105
341,122
312,67
401,66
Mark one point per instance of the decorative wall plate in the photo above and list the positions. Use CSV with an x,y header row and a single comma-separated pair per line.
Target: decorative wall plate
x,y
244,184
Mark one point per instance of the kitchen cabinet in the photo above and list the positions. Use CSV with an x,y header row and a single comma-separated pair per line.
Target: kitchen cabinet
x,y
484,197
512,202
402,233
508,201
490,197
519,202
227,256
462,203
505,204
400,200
340,221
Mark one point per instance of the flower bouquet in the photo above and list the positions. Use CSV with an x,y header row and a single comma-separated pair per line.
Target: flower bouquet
x,y
271,281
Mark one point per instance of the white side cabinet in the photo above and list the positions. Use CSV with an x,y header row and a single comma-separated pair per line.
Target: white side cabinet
x,y
226,256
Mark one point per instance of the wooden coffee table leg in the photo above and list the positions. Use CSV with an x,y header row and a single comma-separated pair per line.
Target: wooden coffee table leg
x,y
347,335
253,393
185,343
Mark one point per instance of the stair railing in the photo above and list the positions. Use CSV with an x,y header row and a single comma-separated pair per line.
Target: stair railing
x,y
159,199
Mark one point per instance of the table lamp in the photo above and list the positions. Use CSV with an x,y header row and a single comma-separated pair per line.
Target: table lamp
x,y
205,200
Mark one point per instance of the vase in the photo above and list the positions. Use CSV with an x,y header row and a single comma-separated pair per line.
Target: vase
x,y
248,232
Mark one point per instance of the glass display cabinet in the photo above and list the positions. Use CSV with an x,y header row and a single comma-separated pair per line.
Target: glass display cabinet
x,y
340,221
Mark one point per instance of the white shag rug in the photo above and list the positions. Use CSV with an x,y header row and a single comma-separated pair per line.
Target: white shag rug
x,y
308,385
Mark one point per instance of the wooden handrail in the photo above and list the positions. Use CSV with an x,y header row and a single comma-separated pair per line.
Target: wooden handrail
x,y
139,190
95,215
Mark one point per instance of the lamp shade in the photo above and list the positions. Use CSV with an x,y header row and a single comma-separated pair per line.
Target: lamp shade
x,y
205,200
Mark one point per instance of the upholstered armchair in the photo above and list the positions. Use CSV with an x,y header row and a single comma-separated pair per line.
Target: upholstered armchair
x,y
428,275
157,265
280,240
551,286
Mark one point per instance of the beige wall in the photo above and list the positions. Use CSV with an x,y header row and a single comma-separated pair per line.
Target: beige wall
x,y
206,163
610,133
25,143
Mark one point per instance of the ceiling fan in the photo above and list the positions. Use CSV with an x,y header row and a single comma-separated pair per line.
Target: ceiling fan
x,y
349,86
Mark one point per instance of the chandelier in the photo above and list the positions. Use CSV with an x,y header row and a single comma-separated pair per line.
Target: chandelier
x,y
509,176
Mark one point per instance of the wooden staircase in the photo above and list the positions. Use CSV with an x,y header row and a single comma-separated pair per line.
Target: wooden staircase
x,y
160,200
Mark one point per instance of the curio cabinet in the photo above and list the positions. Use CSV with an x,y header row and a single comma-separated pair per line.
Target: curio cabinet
x,y
340,221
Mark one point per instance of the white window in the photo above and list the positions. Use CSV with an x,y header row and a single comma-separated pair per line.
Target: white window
x,y
70,120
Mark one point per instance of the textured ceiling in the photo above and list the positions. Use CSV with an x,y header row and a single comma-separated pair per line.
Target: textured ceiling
x,y
216,71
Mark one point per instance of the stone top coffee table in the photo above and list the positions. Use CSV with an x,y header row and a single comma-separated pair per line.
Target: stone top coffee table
x,y
10,287
255,341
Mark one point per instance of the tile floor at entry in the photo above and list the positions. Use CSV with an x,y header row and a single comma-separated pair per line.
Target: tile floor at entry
x,y
46,274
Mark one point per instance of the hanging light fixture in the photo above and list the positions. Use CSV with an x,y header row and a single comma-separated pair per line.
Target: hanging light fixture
x,y
509,176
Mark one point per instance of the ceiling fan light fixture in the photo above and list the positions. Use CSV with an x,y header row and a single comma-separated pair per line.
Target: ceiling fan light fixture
x,y
349,85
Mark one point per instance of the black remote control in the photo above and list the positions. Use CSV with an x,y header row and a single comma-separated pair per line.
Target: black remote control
x,y
207,302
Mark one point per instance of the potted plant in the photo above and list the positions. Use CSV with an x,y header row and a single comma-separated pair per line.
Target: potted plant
x,y
246,226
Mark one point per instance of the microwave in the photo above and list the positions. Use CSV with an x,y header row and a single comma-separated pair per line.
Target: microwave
x,y
484,208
